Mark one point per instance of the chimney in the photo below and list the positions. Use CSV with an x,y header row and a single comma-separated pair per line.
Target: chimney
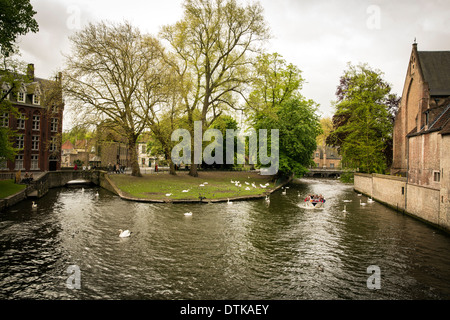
x,y
30,71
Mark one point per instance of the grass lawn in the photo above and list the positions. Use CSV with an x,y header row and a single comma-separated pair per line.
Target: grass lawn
x,y
217,185
8,188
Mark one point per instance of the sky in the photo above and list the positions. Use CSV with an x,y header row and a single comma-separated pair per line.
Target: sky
x,y
320,37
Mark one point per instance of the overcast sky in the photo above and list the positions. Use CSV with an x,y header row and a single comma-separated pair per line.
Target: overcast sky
x,y
320,37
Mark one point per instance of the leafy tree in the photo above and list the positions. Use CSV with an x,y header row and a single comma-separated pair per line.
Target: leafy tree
x,y
298,126
363,121
113,77
276,103
16,18
210,52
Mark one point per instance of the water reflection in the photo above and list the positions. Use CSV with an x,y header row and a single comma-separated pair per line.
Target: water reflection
x,y
247,250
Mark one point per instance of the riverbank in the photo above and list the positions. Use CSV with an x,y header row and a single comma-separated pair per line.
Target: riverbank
x,y
208,186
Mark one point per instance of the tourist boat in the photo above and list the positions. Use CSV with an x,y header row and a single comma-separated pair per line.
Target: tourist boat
x,y
314,203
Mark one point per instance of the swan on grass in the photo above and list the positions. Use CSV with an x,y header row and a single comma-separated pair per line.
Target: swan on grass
x,y
168,194
124,233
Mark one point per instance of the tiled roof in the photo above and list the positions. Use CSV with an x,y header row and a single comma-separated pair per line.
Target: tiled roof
x,y
435,67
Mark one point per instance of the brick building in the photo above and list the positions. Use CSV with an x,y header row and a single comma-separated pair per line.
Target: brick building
x,y
38,126
422,124
327,158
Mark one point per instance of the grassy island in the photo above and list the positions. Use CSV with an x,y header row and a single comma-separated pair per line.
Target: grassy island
x,y
208,185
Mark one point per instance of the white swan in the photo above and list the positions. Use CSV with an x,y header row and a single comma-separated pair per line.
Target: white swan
x,y
362,203
348,200
253,185
247,183
345,209
168,194
370,200
97,194
201,185
82,189
124,234
247,188
187,190
267,199
34,205
188,214
359,194
284,192
229,202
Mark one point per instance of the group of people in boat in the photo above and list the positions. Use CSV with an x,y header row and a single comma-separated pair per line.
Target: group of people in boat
x,y
315,199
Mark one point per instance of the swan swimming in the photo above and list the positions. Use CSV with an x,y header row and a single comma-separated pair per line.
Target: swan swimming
x,y
229,202
34,205
345,209
362,203
188,214
124,234
370,200
284,192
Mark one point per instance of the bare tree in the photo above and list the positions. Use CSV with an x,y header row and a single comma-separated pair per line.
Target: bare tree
x,y
211,48
109,67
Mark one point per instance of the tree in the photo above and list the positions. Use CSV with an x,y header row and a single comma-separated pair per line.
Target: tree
x,y
276,103
113,77
327,126
16,18
298,126
363,121
211,47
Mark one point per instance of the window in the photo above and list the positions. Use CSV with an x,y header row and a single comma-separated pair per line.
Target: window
x,y
35,143
21,121
20,141
317,154
4,120
5,93
36,122
403,190
19,162
436,176
36,99
54,125
52,147
54,109
34,162
331,165
21,96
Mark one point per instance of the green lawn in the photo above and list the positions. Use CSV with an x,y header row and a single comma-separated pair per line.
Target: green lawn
x,y
217,185
8,188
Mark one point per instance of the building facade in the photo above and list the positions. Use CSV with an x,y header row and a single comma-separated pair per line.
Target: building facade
x,y
327,158
38,125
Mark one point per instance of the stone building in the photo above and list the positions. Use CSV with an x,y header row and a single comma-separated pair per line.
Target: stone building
x,y
38,126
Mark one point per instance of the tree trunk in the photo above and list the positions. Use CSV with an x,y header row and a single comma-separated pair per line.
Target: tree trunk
x,y
171,164
135,170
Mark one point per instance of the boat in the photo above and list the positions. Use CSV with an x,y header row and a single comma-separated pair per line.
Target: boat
x,y
314,202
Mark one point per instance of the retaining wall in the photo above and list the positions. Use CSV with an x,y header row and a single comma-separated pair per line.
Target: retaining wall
x,y
420,202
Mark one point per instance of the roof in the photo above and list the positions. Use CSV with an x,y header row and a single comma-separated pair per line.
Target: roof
x,y
441,124
67,145
435,67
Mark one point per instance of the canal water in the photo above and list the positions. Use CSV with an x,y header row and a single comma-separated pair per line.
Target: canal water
x,y
69,248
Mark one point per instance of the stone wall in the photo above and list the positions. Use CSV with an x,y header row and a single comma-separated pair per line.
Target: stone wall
x,y
389,190
424,203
